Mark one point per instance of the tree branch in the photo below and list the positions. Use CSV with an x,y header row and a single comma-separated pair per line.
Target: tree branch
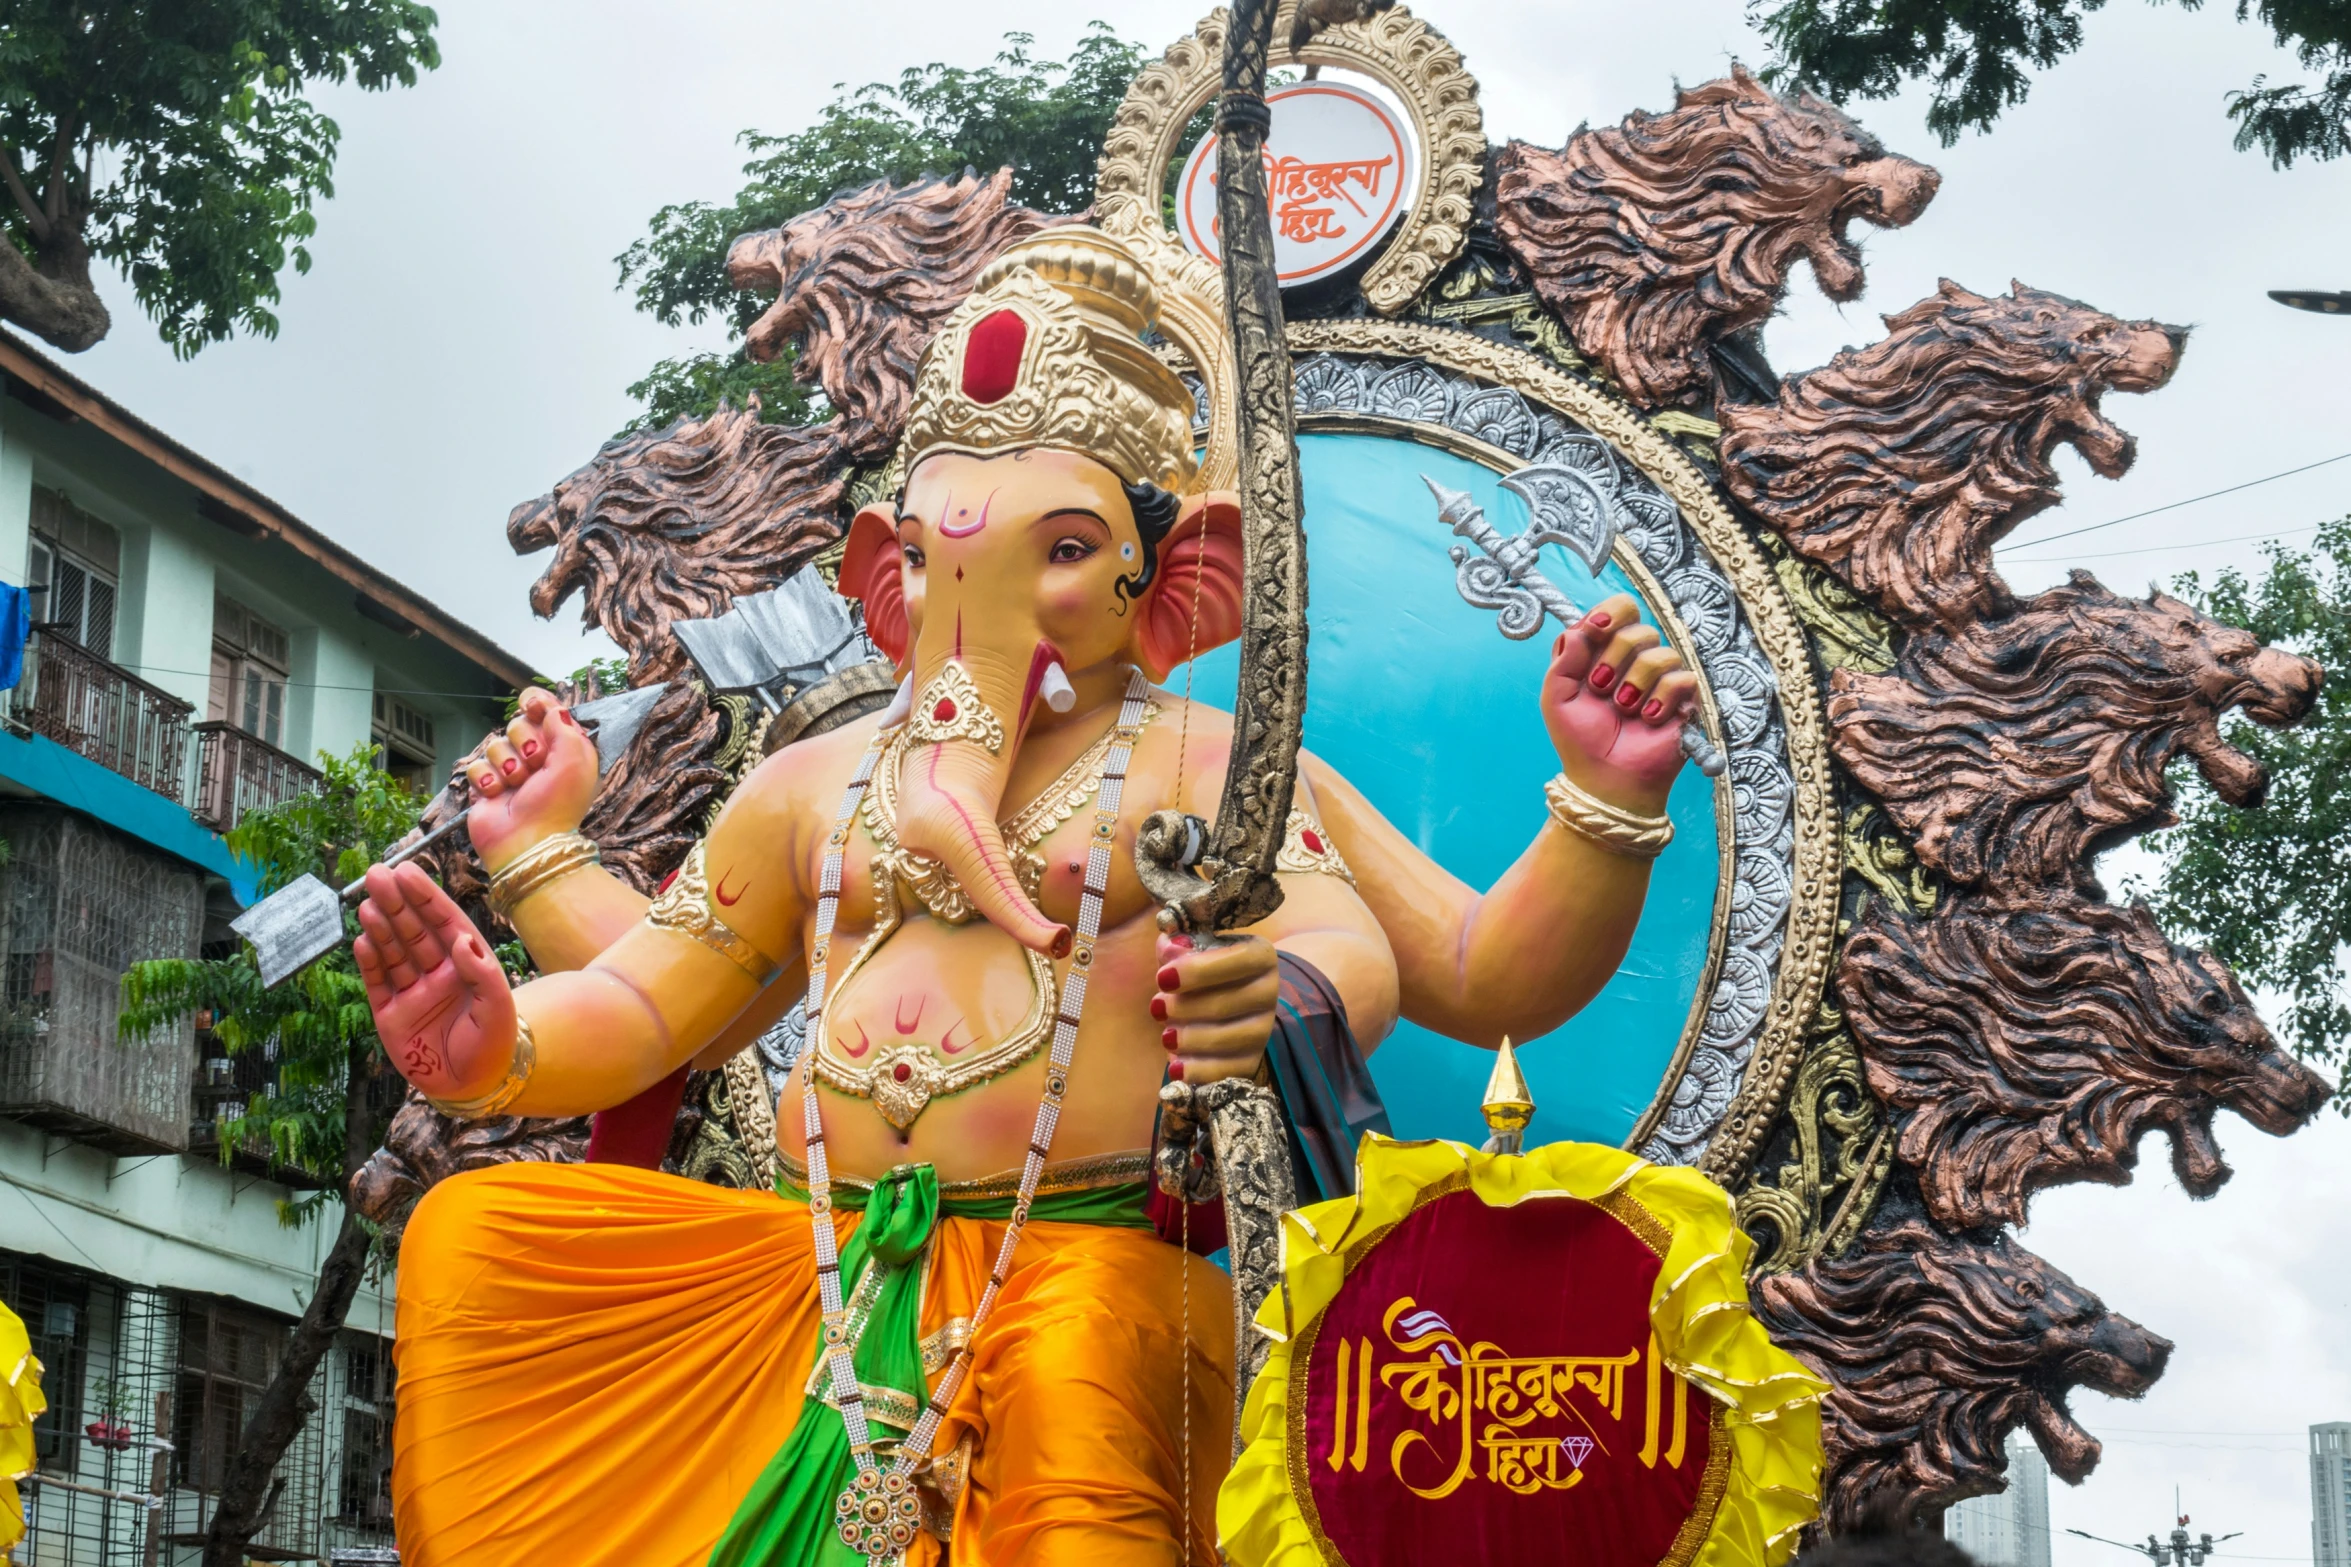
x,y
64,312
53,188
25,203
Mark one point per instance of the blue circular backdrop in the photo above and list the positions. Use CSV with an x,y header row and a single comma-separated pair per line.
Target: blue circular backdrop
x,y
1416,697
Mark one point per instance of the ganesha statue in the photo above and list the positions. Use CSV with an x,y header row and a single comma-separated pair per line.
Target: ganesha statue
x,y
962,1327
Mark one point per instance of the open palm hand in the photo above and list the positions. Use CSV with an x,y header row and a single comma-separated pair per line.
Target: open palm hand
x,y
441,1002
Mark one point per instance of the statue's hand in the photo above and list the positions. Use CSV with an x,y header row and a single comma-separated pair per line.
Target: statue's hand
x,y
531,781
1615,701
1216,1005
441,1002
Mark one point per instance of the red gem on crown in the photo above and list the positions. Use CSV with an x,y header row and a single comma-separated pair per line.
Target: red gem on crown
x,y
945,711
902,1072
991,356
1313,840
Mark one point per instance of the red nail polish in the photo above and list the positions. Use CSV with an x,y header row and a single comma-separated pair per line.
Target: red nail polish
x,y
1159,1008
1599,620
1167,1037
530,748
511,767
1169,979
1653,710
1628,697
565,715
1603,676
1175,1070
486,779
1180,941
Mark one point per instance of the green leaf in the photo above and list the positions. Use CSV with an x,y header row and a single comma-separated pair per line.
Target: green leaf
x,y
2264,888
316,1027
177,143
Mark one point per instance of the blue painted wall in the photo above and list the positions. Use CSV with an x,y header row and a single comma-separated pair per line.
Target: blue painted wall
x,y
1431,712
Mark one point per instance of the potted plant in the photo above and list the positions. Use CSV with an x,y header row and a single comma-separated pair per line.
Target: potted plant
x,y
112,1429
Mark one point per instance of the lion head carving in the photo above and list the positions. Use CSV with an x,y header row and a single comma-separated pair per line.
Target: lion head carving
x,y
863,282
1939,1347
1899,466
2025,1045
2011,751
675,523
1654,238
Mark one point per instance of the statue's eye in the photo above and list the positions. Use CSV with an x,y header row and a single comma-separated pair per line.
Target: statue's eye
x,y
913,554
1069,551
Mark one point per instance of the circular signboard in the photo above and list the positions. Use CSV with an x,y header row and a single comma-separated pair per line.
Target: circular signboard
x,y
1337,165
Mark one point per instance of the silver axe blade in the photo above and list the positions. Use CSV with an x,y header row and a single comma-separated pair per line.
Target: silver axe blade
x,y
303,920
1567,508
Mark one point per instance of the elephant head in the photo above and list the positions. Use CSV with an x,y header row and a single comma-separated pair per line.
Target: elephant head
x,y
1016,582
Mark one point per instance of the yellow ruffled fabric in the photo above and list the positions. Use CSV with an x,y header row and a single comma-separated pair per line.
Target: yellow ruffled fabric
x,y
20,1403
1699,1311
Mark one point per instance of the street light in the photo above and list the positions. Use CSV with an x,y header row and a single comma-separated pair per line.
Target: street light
x,y
2317,301
2179,1551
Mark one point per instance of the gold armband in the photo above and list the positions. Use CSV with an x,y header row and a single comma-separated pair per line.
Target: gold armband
x,y
685,908
536,866
509,1089
1612,827
1307,849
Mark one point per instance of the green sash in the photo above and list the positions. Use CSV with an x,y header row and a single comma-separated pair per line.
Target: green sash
x,y
786,1519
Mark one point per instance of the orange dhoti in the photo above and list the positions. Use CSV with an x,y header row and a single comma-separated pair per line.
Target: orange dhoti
x,y
597,1361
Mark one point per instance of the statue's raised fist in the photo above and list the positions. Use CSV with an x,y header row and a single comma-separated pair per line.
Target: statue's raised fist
x,y
1614,700
530,781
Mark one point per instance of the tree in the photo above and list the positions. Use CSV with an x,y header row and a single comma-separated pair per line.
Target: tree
x,y
175,141
2265,888
1977,53
326,1112
1046,118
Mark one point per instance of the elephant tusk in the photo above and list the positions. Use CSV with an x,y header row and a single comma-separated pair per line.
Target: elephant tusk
x,y
900,705
1055,688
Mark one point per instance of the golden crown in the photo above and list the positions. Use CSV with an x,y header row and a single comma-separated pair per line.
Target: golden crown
x,y
1049,351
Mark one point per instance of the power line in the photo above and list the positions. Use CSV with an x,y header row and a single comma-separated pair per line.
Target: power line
x,y
2158,549
2117,522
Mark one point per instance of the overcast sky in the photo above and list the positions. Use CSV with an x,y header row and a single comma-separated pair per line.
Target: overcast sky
x,y
459,346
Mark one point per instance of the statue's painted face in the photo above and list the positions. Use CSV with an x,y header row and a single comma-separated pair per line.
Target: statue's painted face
x,y
1038,548
1016,579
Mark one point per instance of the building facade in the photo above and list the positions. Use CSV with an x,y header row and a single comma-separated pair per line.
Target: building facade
x,y
195,649
2010,1529
2330,1494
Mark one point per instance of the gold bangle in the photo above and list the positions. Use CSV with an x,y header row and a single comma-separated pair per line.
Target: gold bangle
x,y
538,865
509,1089
1611,827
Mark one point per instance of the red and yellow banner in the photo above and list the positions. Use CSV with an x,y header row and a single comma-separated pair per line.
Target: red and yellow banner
x,y
1481,1356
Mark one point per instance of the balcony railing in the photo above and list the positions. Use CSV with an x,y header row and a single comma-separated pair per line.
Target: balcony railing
x,y
236,773
104,712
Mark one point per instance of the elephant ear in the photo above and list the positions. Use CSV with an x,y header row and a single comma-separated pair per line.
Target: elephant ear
x,y
870,565
1194,604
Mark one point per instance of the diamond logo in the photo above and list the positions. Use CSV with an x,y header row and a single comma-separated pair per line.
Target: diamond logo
x,y
1577,1448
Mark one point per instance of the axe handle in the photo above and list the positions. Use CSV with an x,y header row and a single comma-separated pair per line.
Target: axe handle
x,y
1521,568
402,856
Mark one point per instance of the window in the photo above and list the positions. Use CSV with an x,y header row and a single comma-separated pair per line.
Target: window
x,y
250,657
55,1305
363,1490
76,562
228,1353
405,736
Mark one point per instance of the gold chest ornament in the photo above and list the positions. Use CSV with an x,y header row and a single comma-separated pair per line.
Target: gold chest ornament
x,y
903,1079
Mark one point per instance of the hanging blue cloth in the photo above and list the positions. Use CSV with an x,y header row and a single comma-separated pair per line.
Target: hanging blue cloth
x,y
16,624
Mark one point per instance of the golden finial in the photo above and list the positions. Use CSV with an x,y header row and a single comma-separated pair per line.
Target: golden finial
x,y
1508,1107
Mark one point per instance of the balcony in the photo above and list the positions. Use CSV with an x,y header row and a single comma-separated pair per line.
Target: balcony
x,y
103,712
236,773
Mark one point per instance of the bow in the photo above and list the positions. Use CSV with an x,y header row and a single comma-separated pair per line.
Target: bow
x,y
1218,877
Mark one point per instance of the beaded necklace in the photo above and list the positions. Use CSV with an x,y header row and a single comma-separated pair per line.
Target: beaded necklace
x,y
878,1514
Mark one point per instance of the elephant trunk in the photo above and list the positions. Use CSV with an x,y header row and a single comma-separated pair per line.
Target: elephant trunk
x,y
949,793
